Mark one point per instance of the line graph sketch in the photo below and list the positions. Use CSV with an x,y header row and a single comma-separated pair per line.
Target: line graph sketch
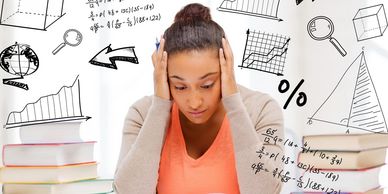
x,y
370,22
65,105
265,52
353,104
36,14
259,8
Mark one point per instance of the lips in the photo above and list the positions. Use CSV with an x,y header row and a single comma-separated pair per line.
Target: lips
x,y
197,113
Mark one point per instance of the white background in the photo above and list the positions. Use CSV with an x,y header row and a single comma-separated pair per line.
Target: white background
x,y
106,94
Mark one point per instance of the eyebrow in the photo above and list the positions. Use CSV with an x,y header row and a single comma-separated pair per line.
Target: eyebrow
x,y
202,77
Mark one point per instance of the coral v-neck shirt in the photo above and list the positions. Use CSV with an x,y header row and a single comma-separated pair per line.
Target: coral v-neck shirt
x,y
213,172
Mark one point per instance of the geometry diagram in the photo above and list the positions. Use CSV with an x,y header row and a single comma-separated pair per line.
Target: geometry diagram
x,y
265,52
259,8
31,14
300,1
71,37
370,22
65,105
107,57
353,104
19,60
322,28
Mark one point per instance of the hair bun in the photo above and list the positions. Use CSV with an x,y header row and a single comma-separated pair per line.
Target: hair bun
x,y
192,12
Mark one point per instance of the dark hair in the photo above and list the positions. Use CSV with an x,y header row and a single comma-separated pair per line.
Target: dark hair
x,y
193,29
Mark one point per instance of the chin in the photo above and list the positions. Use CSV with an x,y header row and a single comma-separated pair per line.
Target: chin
x,y
198,120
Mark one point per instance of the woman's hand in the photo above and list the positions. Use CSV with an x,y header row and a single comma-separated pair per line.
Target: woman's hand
x,y
228,81
159,60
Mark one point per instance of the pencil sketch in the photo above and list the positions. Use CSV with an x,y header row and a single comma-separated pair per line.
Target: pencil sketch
x,y
65,105
265,52
107,57
71,37
19,60
36,14
259,8
370,22
355,93
322,28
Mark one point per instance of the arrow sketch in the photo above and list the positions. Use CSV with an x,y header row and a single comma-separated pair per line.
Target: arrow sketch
x,y
107,57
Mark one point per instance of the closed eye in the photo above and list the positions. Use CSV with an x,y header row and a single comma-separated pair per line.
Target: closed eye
x,y
207,86
180,88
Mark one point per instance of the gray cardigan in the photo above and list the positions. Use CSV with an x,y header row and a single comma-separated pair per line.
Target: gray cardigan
x,y
250,114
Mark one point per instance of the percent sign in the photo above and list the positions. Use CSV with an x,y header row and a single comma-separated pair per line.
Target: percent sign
x,y
302,98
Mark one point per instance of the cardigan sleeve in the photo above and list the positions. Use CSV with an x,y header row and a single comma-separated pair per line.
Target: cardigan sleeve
x,y
249,119
142,141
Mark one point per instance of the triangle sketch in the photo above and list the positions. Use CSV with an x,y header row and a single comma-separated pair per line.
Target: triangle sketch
x,y
353,103
65,105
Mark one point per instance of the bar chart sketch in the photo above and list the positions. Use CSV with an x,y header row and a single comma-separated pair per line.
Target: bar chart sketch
x,y
265,52
370,22
36,14
259,8
65,105
353,104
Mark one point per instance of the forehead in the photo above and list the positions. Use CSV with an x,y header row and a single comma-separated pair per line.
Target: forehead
x,y
193,64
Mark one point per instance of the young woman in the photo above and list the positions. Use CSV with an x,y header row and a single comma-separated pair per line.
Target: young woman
x,y
200,131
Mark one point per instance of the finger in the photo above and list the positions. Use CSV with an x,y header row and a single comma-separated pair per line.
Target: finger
x,y
161,48
227,50
222,57
154,57
164,62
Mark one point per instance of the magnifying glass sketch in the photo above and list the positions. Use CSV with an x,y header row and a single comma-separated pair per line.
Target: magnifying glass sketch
x,y
322,28
71,37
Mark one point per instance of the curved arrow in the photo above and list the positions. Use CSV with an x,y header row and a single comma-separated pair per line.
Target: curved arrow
x,y
107,57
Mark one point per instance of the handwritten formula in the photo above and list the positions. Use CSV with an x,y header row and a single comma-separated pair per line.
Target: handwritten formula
x,y
270,137
117,14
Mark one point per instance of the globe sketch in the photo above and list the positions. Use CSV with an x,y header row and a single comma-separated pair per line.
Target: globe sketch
x,y
19,60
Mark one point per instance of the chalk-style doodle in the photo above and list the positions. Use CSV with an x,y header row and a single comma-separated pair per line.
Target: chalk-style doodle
x,y
322,28
107,57
370,22
71,37
65,105
301,100
259,8
286,176
353,103
36,14
19,60
300,1
265,52
111,15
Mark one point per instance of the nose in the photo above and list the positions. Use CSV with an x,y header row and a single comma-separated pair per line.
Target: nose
x,y
195,100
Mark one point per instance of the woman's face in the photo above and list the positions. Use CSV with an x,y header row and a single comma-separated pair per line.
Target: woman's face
x,y
194,78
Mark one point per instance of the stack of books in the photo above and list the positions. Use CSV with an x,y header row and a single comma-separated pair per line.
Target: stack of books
x,y
342,163
51,159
